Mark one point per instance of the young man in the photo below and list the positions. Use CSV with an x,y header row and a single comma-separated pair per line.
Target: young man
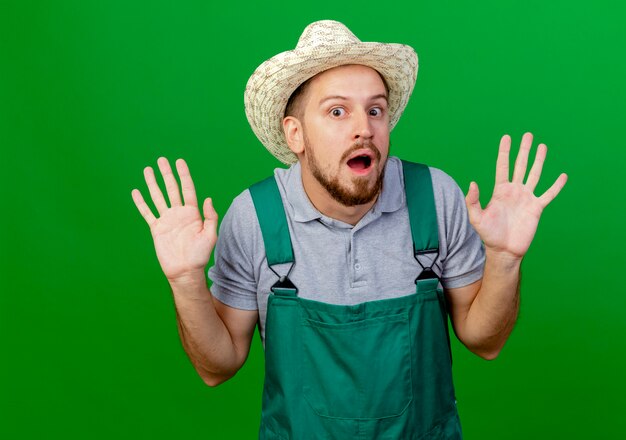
x,y
352,317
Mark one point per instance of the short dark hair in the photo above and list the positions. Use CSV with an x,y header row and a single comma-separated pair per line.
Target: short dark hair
x,y
295,104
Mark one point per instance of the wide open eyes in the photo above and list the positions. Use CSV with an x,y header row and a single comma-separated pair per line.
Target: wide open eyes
x,y
338,112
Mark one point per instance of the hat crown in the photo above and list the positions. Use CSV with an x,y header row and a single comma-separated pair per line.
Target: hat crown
x,y
324,33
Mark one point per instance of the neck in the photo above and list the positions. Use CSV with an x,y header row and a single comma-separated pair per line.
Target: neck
x,y
327,205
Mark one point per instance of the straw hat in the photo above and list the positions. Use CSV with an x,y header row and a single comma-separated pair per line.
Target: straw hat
x,y
323,45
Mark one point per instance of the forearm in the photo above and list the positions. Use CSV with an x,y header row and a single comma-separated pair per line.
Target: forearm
x,y
203,334
494,311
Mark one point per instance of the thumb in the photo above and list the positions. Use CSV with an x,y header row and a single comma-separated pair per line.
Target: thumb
x,y
210,216
472,202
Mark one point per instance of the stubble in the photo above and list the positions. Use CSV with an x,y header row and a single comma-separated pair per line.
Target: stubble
x,y
359,192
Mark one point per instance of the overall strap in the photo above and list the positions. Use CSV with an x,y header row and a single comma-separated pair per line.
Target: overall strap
x,y
420,201
276,238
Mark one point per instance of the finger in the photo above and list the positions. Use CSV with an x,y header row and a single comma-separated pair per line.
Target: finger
x,y
502,164
189,191
472,201
522,158
155,191
553,191
210,216
170,182
143,208
535,171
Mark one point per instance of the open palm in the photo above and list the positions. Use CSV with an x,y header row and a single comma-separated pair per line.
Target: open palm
x,y
509,222
183,241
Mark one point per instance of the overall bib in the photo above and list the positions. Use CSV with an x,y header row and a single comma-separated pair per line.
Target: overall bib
x,y
376,370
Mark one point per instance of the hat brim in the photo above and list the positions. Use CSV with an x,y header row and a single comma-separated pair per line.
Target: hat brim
x,y
270,86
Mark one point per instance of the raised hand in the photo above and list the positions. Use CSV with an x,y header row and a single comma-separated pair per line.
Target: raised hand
x,y
509,222
183,241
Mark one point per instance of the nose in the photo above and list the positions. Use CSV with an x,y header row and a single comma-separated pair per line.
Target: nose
x,y
362,125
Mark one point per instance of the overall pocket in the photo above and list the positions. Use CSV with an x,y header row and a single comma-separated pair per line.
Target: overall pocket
x,y
357,370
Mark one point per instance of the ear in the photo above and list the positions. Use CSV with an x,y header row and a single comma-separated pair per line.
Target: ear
x,y
294,134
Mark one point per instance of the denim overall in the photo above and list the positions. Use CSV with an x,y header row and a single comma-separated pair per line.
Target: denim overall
x,y
375,370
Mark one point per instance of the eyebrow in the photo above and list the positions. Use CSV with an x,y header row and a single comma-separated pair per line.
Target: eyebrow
x,y
343,98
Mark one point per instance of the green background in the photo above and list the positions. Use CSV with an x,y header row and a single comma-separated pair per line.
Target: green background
x,y
92,92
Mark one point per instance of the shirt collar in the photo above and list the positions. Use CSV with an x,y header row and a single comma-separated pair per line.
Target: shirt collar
x,y
391,197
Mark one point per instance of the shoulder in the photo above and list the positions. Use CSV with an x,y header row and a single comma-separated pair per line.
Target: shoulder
x,y
242,209
239,224
443,182
241,216
449,201
449,197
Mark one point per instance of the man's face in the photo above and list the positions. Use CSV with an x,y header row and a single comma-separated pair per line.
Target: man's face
x,y
346,133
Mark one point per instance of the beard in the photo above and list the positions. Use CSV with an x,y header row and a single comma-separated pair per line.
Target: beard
x,y
360,192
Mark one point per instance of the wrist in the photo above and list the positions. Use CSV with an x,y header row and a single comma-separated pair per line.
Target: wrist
x,y
190,278
502,258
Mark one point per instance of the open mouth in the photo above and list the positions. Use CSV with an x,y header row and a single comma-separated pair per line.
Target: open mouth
x,y
360,163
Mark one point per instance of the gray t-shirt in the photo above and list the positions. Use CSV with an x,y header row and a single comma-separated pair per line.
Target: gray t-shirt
x,y
336,262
